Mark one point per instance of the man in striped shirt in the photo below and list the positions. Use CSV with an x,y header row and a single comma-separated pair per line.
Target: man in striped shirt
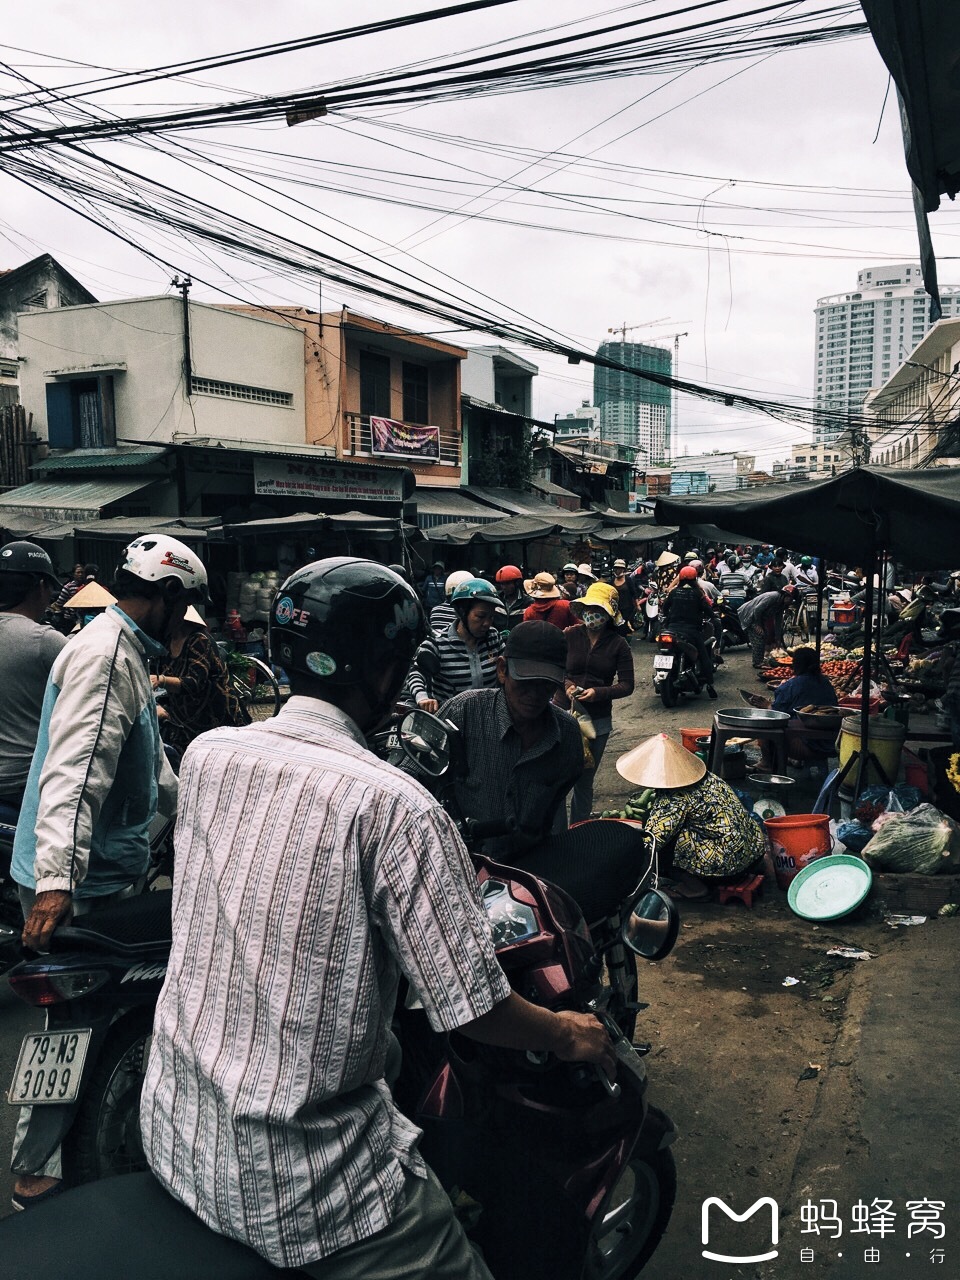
x,y
310,875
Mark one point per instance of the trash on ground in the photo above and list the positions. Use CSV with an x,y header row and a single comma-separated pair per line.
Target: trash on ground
x,y
949,909
895,921
809,1073
852,953
790,982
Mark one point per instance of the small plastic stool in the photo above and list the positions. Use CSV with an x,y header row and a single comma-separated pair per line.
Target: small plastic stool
x,y
720,735
743,889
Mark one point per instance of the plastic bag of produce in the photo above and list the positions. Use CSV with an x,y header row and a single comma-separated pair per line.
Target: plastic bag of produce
x,y
913,842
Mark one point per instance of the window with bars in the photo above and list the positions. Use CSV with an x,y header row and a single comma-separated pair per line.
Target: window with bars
x,y
238,391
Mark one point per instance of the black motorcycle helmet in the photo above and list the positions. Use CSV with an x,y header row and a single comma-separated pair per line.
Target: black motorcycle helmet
x,y
22,565
343,622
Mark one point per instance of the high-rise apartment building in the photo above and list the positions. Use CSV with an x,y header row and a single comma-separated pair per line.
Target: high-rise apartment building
x,y
863,337
634,411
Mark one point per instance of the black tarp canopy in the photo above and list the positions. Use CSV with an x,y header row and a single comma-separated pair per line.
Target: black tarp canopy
x,y
852,517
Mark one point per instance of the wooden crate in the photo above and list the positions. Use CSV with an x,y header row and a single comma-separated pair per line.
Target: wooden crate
x,y
910,894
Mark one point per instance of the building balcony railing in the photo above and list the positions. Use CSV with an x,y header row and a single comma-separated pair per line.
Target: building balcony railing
x,y
428,445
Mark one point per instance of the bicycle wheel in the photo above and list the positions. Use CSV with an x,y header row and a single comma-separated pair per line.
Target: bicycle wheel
x,y
260,696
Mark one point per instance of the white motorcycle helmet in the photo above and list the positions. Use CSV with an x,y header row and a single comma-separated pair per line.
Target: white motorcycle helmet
x,y
454,580
155,557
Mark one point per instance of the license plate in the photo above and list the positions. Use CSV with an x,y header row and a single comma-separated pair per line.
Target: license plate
x,y
49,1068
662,661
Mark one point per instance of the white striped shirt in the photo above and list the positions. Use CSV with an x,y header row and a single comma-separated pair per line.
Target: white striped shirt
x,y
309,874
462,666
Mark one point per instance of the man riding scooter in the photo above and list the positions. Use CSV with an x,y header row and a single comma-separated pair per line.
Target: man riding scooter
x,y
684,610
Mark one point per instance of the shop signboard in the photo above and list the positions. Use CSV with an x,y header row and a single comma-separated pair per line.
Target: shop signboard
x,y
404,440
310,478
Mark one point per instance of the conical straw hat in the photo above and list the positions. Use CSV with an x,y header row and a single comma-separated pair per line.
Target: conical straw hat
x,y
667,557
92,596
661,763
193,615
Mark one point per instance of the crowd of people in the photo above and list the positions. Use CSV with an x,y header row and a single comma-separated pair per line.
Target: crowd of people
x,y
311,875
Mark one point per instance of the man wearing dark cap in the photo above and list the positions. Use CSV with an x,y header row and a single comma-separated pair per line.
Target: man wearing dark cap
x,y
523,753
28,585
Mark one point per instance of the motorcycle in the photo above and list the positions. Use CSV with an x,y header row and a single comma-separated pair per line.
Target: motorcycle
x,y
650,604
676,665
83,1073
568,1174
732,632
601,1148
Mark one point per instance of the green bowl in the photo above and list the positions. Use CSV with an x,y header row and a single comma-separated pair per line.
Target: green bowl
x,y
830,888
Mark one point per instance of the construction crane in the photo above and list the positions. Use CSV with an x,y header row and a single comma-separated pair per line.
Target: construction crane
x,y
625,328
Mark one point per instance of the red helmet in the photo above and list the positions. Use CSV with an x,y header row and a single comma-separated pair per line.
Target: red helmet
x,y
687,574
509,573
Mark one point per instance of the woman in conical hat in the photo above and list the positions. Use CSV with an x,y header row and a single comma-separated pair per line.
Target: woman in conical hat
x,y
701,827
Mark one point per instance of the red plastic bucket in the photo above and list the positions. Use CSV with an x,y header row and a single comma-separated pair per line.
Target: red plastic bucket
x,y
797,840
688,738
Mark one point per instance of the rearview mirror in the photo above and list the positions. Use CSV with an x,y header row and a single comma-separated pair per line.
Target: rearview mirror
x,y
651,925
426,742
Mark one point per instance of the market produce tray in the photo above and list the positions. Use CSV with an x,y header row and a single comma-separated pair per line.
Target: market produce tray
x,y
750,718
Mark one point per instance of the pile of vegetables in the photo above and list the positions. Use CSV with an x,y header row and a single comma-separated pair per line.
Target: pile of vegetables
x,y
636,809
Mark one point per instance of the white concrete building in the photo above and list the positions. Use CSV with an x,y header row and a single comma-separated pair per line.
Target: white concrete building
x,y
114,372
584,421
862,336
723,471
917,409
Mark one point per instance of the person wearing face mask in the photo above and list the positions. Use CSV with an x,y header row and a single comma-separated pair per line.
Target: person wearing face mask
x,y
465,655
599,669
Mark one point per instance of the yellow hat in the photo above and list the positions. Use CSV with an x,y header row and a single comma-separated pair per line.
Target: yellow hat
x,y
661,763
602,595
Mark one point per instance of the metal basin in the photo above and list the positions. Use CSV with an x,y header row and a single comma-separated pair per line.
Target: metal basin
x,y
771,780
750,718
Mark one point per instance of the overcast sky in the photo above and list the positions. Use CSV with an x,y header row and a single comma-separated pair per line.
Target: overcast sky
x,y
776,154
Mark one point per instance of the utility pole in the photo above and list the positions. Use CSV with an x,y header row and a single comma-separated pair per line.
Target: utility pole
x,y
184,288
675,423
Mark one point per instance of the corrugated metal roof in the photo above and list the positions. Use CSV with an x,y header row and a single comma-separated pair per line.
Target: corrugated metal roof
x,y
78,500
439,506
99,459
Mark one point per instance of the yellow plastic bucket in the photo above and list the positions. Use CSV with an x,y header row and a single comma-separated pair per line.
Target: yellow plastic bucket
x,y
885,740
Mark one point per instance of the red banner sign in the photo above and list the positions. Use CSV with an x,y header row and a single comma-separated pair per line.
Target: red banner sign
x,y
404,440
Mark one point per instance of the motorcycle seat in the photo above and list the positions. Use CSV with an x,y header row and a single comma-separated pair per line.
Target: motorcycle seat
x,y
131,928
598,863
83,1233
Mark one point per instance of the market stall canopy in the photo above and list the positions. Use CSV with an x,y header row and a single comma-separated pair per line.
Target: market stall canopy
x,y
639,532
308,521
851,517
186,528
509,529
919,40
515,503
